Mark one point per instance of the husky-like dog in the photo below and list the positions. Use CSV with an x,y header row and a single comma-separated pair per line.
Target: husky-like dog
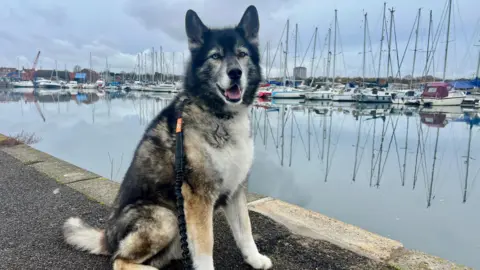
x,y
221,81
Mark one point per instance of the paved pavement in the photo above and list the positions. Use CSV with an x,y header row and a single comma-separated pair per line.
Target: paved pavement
x,y
33,208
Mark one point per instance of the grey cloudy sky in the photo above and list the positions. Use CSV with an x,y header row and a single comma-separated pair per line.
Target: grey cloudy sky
x,y
68,31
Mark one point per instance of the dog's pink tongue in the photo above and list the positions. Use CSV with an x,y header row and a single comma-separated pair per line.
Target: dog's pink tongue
x,y
233,92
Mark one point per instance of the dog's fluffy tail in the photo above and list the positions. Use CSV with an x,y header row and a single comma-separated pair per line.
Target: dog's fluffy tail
x,y
84,237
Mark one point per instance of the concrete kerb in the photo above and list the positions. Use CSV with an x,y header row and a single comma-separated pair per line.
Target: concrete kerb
x,y
298,220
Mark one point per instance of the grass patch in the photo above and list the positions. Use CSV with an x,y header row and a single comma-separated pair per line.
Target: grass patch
x,y
20,138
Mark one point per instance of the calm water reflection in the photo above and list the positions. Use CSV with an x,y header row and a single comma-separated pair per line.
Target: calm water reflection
x,y
404,173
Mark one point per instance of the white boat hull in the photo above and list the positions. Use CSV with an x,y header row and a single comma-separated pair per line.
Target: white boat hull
x,y
345,98
375,98
447,101
23,84
406,101
288,94
50,85
318,96
162,89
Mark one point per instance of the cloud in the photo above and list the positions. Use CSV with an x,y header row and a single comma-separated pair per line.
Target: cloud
x,y
67,32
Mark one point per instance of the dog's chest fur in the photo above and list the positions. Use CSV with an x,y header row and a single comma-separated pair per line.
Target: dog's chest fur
x,y
227,151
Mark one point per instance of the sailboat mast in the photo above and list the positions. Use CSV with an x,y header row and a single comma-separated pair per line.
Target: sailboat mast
x,y
268,60
328,56
416,44
334,47
173,66
286,55
364,47
381,41
281,62
295,55
161,63
390,38
153,64
137,77
107,73
478,66
56,70
156,66
90,69
313,55
428,44
447,41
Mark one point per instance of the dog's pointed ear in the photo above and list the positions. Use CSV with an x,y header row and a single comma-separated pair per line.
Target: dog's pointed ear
x,y
250,24
195,29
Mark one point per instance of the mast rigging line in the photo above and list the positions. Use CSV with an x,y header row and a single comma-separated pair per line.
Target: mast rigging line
x,y
276,51
408,43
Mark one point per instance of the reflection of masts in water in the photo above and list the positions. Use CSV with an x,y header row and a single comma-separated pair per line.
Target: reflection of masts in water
x,y
291,138
265,132
309,122
324,137
405,154
282,111
93,113
372,163
38,108
328,147
430,188
356,149
465,188
380,153
419,143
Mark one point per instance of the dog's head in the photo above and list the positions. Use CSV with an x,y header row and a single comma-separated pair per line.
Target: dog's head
x,y
224,67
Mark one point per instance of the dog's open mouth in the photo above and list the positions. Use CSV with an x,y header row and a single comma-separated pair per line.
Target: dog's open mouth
x,y
232,94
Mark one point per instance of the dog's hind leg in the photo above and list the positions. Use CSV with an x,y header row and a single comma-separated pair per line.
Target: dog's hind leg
x,y
151,230
236,212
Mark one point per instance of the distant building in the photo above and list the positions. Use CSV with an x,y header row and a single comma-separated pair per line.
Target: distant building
x,y
91,76
5,71
300,72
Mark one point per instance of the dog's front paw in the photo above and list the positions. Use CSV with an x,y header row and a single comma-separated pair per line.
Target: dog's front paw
x,y
259,261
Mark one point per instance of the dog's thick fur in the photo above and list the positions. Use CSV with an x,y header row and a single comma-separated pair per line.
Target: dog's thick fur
x,y
142,231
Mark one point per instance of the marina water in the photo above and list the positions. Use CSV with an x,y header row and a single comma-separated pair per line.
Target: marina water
x,y
403,172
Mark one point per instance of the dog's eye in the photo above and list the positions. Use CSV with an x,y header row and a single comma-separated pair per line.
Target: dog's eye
x,y
242,54
216,56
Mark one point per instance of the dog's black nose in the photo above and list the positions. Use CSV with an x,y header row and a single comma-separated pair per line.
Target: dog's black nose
x,y
234,73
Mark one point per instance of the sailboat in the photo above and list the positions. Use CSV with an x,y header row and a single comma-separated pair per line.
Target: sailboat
x,y
350,94
22,84
287,91
326,93
442,93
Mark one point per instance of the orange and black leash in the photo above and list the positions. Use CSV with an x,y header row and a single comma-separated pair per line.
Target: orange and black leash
x,y
179,179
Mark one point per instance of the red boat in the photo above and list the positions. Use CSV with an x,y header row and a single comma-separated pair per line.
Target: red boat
x,y
264,91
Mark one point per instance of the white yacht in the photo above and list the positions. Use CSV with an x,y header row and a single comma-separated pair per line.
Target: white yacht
x,y
374,95
406,97
442,94
23,84
346,95
288,92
